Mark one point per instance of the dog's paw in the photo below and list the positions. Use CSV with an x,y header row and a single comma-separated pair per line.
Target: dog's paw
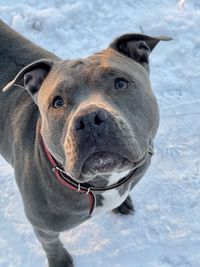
x,y
63,260
125,208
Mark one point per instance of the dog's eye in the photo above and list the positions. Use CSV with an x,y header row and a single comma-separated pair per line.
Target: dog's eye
x,y
57,102
121,83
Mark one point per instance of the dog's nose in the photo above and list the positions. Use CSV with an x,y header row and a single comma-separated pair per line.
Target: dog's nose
x,y
92,119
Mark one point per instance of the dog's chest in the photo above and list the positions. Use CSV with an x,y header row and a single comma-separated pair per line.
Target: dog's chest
x,y
111,199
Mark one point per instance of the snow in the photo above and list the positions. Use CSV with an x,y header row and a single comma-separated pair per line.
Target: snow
x,y
165,230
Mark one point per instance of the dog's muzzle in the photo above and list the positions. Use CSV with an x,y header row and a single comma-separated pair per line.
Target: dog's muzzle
x,y
99,142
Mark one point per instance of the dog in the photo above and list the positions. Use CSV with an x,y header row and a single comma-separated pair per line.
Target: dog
x,y
78,133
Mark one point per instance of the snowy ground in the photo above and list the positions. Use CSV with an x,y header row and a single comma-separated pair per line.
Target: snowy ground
x,y
165,230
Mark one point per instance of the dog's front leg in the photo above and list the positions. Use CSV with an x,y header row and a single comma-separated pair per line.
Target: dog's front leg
x,y
56,254
126,207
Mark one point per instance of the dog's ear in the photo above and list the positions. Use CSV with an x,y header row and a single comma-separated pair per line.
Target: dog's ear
x,y
137,46
31,77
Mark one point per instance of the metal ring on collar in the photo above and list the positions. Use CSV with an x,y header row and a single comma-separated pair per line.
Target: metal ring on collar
x,y
88,191
79,188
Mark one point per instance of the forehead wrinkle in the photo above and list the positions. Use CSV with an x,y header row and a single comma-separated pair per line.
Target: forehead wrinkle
x,y
109,61
99,58
67,67
65,74
95,63
77,63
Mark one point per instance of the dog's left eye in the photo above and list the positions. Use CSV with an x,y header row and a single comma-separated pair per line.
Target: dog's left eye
x,y
57,102
121,83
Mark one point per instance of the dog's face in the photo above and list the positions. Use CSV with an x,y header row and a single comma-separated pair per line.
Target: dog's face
x,y
99,114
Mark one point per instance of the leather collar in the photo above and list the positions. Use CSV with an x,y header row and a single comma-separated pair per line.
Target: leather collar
x,y
84,188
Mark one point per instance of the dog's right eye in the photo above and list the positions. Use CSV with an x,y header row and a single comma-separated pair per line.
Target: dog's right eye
x,y
121,83
57,102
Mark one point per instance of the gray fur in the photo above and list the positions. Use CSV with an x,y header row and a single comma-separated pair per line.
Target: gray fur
x,y
127,125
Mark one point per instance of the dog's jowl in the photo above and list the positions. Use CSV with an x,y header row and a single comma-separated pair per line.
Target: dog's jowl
x,y
78,133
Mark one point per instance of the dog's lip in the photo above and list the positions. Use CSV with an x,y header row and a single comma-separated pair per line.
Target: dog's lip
x,y
106,162
102,160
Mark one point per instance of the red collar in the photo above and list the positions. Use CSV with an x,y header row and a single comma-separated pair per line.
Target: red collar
x,y
68,182
84,189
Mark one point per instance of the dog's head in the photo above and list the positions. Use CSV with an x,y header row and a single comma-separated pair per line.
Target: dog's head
x,y
99,114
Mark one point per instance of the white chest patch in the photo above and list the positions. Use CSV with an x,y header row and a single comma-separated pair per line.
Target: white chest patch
x,y
112,199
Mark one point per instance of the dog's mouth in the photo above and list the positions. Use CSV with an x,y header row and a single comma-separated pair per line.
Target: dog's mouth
x,y
105,163
109,165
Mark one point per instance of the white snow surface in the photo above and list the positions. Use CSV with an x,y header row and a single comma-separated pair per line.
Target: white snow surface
x,y
165,229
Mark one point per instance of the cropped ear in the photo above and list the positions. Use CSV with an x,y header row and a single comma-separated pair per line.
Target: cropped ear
x,y
31,77
137,46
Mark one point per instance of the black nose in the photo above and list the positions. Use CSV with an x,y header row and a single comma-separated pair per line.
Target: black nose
x,y
92,119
